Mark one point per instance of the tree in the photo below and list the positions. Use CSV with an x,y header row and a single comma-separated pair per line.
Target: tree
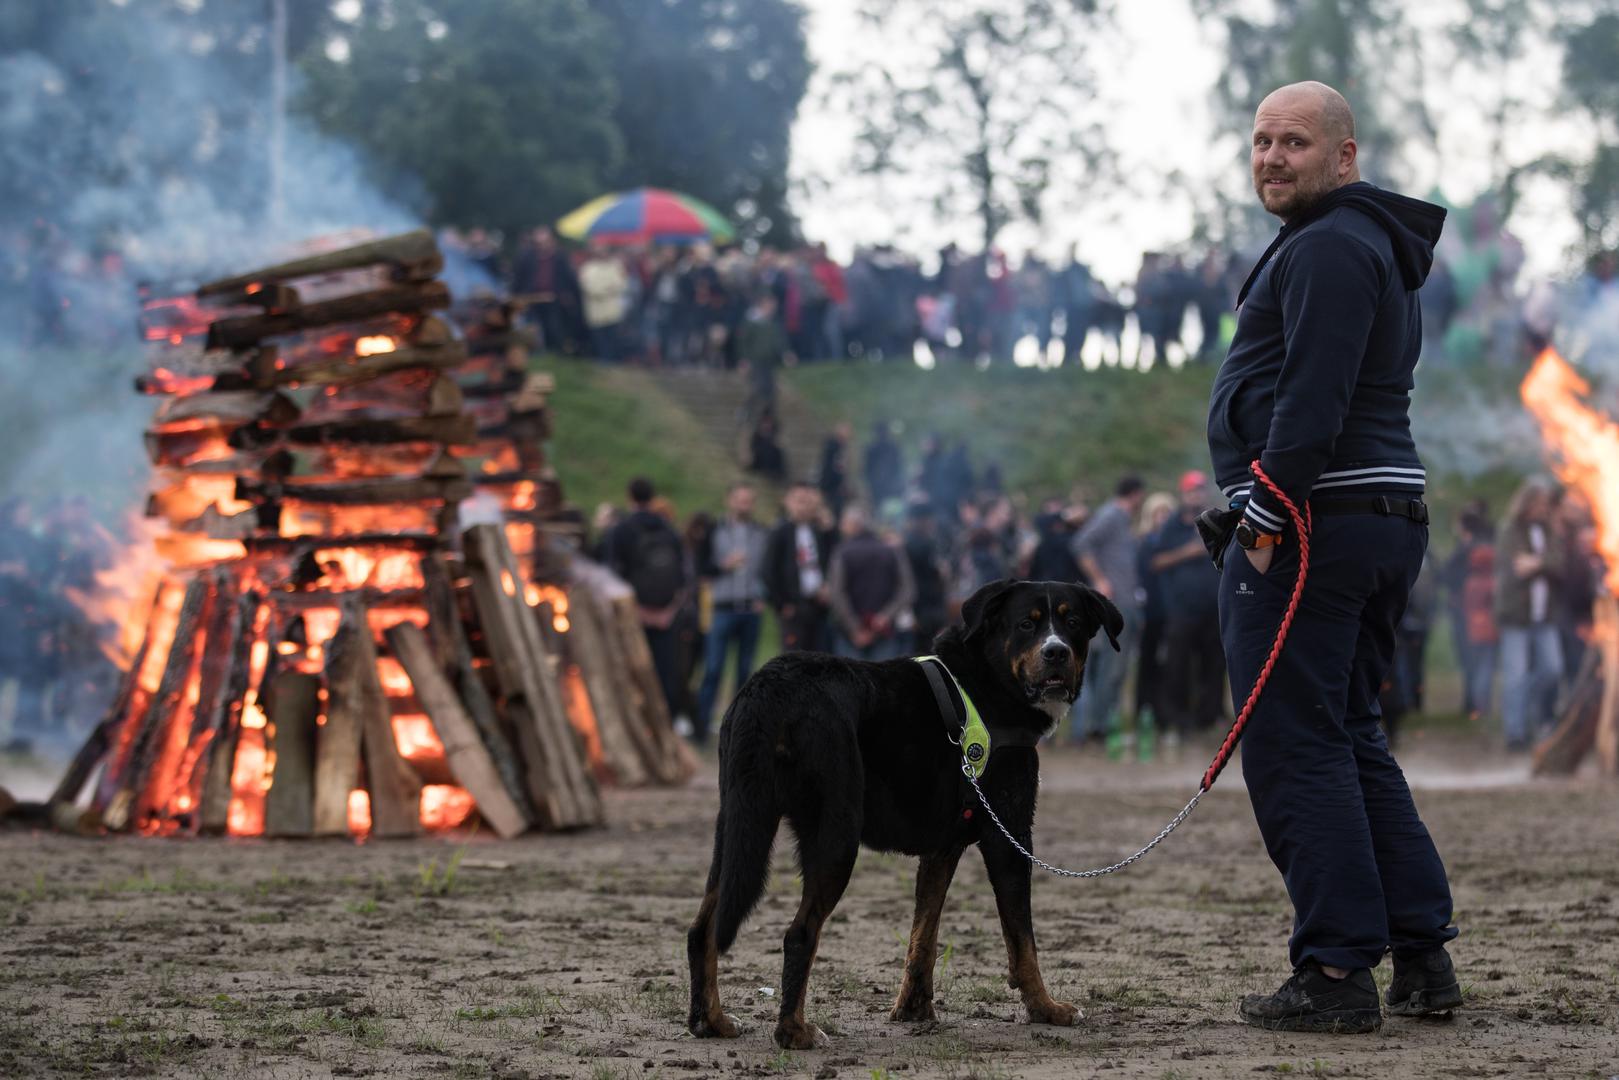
x,y
708,91
1363,48
493,113
985,104
1591,80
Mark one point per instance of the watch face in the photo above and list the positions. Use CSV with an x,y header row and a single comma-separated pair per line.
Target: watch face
x,y
1245,535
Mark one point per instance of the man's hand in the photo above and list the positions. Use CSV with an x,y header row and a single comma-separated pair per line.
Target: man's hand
x,y
1260,558
1526,565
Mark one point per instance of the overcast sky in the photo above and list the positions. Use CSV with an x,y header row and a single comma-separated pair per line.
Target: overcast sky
x,y
1162,81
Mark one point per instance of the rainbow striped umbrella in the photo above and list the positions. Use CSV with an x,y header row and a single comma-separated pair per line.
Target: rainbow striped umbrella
x,y
646,216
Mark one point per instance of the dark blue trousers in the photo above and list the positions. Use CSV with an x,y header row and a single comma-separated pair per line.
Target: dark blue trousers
x,y
1332,805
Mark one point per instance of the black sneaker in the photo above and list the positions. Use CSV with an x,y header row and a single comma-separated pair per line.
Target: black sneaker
x,y
1424,985
1310,1001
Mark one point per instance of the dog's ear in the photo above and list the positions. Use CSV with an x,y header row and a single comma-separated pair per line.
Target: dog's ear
x,y
1106,615
981,607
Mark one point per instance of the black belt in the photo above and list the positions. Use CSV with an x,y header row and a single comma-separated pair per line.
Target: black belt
x,y
731,607
1383,505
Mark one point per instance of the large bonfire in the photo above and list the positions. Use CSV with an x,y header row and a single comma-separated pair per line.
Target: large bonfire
x,y
312,644
1583,446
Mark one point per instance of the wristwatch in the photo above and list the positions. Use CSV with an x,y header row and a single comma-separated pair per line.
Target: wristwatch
x,y
1250,539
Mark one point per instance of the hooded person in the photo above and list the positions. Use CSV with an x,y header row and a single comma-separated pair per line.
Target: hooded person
x,y
1317,388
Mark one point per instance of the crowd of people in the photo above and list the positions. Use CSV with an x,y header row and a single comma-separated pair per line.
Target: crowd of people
x,y
874,568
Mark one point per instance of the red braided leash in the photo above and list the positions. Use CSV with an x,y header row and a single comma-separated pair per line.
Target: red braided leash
x,y
1301,526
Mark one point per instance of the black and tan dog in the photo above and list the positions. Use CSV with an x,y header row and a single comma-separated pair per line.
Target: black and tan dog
x,y
853,753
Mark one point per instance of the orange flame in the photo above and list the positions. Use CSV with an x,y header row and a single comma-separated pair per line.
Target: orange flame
x,y
1584,446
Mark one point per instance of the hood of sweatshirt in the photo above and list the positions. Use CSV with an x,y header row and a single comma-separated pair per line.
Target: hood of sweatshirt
x,y
1413,228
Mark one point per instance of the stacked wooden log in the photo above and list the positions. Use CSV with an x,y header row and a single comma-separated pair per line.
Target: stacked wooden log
x,y
318,660
1590,711
612,693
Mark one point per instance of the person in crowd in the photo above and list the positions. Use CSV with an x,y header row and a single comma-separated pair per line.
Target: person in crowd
x,y
831,284
1527,563
1193,673
1077,290
870,592
884,466
1156,509
690,626
761,350
1468,578
543,278
1406,681
1053,557
766,457
834,475
24,641
732,563
1575,589
1213,301
796,559
605,287
1106,550
645,550
931,608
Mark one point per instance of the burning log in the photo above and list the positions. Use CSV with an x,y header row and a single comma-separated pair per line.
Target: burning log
x,y
225,408
468,757
249,330
413,256
449,430
628,755
292,705
129,783
225,717
559,784
349,370
408,489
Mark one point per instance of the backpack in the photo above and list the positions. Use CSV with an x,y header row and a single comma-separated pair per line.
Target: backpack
x,y
657,566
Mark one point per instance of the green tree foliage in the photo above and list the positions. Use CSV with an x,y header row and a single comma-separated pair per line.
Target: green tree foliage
x,y
493,113
984,104
708,91
1591,80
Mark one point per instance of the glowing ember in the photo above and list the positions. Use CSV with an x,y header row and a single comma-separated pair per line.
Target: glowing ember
x,y
360,812
444,806
416,738
373,345
1584,445
550,594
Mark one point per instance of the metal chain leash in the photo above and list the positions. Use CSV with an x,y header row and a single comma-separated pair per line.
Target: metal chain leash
x,y
1174,823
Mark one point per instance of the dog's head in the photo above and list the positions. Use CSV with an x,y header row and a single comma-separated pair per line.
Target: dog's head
x,y
1035,636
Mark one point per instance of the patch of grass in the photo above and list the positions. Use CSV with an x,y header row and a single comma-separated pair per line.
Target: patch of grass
x,y
365,1030
181,882
433,880
531,1003
368,906
609,425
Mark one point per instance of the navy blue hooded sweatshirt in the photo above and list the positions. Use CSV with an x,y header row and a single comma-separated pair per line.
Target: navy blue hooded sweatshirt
x,y
1317,383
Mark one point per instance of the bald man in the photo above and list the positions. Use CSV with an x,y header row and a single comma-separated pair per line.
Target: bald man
x,y
1316,387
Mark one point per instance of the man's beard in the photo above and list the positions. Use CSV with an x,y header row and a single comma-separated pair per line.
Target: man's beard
x,y
1306,190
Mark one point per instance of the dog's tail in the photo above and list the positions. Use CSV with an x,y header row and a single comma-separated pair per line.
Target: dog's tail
x,y
747,835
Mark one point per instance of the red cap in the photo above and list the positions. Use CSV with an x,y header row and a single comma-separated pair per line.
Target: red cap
x,y
1193,480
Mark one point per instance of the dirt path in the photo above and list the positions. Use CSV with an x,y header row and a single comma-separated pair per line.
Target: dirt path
x,y
564,956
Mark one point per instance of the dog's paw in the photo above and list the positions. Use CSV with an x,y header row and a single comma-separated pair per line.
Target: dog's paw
x,y
1059,1013
801,1037
722,1028
912,1009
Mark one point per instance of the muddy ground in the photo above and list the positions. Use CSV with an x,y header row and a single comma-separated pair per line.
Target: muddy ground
x,y
563,956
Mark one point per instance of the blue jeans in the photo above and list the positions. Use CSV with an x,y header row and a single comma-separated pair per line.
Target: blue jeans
x,y
725,627
1531,664
1101,698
